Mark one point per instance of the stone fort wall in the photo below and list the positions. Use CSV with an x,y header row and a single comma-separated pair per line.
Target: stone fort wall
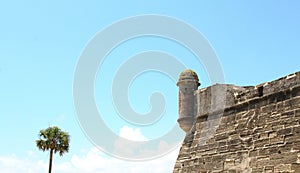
x,y
240,129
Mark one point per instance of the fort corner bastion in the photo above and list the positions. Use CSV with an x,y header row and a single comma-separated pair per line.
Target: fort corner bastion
x,y
239,129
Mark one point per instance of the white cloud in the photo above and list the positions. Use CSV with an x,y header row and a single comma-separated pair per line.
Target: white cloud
x,y
13,164
92,161
133,145
96,161
132,134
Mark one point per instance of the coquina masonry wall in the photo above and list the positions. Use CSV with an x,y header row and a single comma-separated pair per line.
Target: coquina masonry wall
x,y
258,131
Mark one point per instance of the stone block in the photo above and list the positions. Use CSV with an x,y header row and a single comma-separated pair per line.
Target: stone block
x,y
283,168
295,167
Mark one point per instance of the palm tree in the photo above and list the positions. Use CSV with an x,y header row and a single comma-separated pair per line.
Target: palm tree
x,y
55,140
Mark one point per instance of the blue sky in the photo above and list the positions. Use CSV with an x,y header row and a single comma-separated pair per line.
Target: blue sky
x,y
41,42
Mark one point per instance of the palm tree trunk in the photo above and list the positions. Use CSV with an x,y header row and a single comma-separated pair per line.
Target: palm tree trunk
x,y
50,160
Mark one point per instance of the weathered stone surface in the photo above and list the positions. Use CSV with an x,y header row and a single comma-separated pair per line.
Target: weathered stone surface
x,y
244,129
188,82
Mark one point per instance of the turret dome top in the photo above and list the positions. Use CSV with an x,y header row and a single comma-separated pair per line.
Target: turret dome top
x,y
188,75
